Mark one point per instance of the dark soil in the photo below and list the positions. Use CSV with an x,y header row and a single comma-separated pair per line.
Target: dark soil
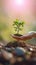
x,y
17,34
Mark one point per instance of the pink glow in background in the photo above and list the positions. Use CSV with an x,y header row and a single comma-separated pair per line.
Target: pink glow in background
x,y
26,6
23,9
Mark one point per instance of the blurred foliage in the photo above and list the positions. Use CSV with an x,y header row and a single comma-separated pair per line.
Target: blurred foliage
x,y
34,28
3,27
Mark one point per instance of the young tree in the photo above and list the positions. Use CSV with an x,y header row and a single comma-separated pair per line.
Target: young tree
x,y
18,25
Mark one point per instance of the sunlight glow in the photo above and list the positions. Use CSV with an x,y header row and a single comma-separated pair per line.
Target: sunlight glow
x,y
19,2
